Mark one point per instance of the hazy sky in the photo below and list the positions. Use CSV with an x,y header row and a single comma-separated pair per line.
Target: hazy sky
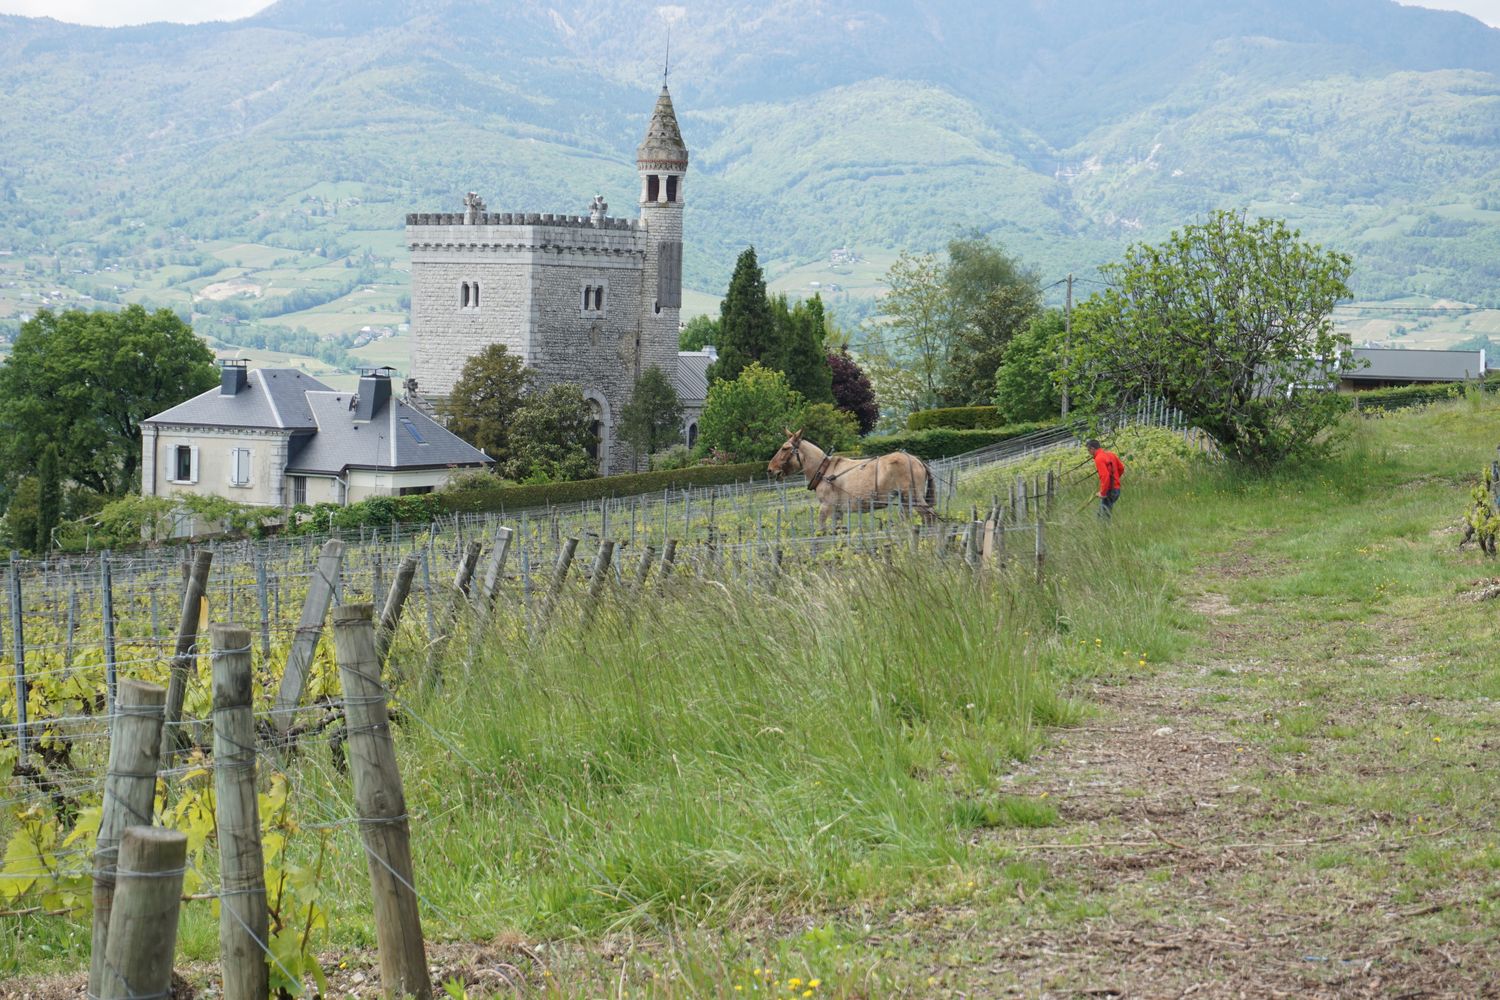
x,y
113,12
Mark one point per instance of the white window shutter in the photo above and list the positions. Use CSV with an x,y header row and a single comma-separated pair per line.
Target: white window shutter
x,y
193,464
245,472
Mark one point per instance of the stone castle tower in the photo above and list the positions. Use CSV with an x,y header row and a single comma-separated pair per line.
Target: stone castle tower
x,y
587,299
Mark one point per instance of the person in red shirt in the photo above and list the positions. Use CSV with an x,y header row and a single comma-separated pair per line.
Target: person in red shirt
x,y
1111,471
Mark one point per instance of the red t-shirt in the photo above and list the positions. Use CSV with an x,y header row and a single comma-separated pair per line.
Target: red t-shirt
x,y
1111,470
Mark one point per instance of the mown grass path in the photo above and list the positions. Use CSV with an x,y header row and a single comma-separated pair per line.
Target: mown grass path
x,y
1304,804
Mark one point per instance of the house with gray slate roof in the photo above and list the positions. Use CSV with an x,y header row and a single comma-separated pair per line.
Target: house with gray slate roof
x,y
275,437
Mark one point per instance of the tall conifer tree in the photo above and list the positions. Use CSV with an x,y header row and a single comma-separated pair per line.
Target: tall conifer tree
x,y
747,330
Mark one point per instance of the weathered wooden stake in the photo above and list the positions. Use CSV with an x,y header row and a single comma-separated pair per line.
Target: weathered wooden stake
x,y
309,631
390,616
466,565
264,597
598,576
643,568
18,639
1041,550
129,791
668,557
559,574
185,656
381,806
143,925
243,918
494,570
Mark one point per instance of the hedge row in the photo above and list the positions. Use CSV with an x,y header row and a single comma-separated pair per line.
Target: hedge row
x,y
1399,396
554,494
957,418
942,443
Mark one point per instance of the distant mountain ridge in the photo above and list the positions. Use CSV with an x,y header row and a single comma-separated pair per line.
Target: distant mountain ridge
x,y
1066,129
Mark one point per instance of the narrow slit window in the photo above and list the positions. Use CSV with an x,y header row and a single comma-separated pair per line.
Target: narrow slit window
x,y
463,295
599,298
476,295
672,189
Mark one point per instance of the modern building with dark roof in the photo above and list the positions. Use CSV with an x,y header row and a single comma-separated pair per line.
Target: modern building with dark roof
x,y
275,437
1382,367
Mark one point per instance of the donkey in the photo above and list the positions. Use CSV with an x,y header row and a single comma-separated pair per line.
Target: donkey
x,y
846,484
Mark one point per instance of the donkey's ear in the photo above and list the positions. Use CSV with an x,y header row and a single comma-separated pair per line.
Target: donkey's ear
x,y
798,435
786,430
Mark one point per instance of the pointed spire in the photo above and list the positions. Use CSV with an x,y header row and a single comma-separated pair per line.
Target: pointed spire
x,y
663,147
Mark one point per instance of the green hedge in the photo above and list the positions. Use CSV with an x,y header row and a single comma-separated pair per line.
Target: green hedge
x,y
956,418
554,494
1399,396
943,443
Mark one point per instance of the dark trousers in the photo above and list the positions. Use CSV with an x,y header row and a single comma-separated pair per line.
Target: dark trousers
x,y
1107,503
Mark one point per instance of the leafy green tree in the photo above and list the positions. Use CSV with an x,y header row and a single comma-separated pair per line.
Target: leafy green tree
x,y
827,426
23,514
485,400
852,391
992,298
1026,386
49,499
1231,321
83,382
747,330
747,418
700,332
799,349
919,311
551,439
652,419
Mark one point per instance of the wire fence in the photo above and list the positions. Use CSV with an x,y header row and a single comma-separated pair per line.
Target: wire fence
x,y
78,626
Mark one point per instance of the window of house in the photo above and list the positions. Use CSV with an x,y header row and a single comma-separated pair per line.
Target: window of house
x,y
692,434
299,489
239,467
411,428
407,491
185,463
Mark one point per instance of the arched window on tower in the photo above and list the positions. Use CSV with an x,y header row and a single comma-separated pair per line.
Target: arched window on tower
x,y
599,298
588,298
672,189
692,434
463,295
476,295
653,187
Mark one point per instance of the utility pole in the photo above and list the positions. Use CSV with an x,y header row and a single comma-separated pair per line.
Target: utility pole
x,y
1067,341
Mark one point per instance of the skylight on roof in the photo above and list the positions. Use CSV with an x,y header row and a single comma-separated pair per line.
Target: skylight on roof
x,y
411,429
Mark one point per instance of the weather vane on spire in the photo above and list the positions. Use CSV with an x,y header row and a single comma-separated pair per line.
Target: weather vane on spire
x,y
666,66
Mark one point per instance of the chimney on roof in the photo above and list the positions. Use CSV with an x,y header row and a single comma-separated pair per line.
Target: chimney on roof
x,y
234,375
374,393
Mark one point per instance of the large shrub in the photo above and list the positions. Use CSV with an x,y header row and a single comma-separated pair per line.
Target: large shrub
x,y
748,417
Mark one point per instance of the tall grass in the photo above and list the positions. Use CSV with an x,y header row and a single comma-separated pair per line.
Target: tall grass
x,y
716,752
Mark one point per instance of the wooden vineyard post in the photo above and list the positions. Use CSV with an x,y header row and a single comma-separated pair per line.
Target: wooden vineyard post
x,y
598,577
395,600
18,637
973,548
559,574
107,606
309,631
381,806
263,596
916,538
466,566
1041,551
1051,490
494,571
143,924
129,791
185,656
668,558
643,568
243,919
